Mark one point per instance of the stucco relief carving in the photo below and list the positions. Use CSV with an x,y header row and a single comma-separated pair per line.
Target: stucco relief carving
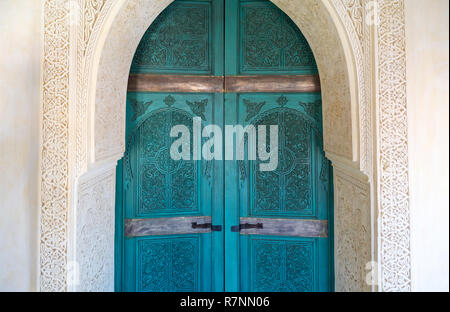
x,y
95,233
352,14
393,206
91,19
352,232
394,212
55,147
111,88
354,9
318,28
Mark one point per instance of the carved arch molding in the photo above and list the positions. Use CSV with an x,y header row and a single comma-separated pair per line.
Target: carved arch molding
x,y
87,50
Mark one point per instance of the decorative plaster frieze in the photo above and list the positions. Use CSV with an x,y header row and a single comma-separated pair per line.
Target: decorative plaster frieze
x,y
94,255
352,15
315,22
393,206
111,85
54,181
352,231
354,10
87,34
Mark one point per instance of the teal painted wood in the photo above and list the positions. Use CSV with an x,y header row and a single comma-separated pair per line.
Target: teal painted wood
x,y
158,187
331,281
232,261
171,263
186,38
189,38
299,188
284,264
119,229
155,186
218,206
262,39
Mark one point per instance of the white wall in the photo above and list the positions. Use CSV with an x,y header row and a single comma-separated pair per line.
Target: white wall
x,y
19,142
428,113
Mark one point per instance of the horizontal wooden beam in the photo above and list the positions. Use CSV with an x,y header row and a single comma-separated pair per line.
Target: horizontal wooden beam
x,y
175,83
219,84
272,84
165,226
286,227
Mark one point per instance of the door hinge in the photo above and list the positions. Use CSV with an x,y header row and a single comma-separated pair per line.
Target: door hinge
x,y
245,226
215,228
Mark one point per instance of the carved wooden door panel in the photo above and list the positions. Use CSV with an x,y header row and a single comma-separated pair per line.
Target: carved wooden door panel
x,y
166,240
282,243
170,204
278,238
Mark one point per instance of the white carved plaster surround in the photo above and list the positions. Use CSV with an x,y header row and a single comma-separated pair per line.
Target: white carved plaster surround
x,y
352,224
94,252
93,56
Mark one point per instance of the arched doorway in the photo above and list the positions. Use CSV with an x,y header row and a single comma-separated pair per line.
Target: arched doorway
x,y
77,209
223,224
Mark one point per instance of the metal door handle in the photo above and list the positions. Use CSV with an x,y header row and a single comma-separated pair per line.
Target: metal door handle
x,y
217,228
245,226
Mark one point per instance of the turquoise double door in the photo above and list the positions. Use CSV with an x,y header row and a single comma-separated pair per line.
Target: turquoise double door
x,y
224,224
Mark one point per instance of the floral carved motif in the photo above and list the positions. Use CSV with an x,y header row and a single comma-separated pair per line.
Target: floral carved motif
x,y
252,108
271,41
354,16
95,233
139,108
177,41
156,167
313,109
54,153
168,264
353,232
92,14
394,212
198,107
283,265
